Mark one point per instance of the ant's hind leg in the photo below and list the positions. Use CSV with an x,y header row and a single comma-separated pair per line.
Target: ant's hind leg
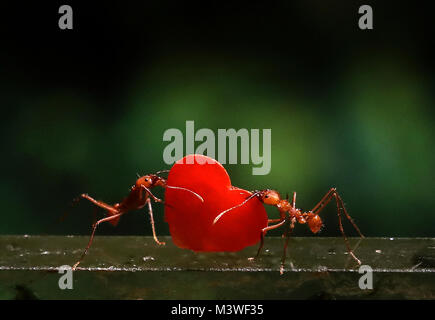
x,y
339,200
150,211
100,204
94,228
332,193
344,235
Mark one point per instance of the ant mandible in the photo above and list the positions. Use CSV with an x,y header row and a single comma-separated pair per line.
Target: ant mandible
x,y
140,195
289,212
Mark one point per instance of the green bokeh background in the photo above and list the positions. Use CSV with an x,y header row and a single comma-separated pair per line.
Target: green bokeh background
x,y
85,110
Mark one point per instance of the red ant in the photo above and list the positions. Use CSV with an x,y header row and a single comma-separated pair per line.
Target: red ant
x,y
140,195
312,218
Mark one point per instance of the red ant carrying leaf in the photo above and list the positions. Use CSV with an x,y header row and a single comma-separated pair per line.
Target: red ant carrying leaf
x,y
289,213
140,196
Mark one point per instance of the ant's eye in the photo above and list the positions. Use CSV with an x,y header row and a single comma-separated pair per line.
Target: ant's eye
x,y
146,179
266,196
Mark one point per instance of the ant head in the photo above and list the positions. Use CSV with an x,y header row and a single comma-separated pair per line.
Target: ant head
x,y
150,180
268,196
146,181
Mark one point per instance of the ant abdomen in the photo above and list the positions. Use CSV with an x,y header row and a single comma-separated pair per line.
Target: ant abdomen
x,y
314,222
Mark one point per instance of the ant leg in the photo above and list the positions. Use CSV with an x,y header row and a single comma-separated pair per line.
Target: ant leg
x,y
337,196
344,235
325,200
287,237
340,204
151,194
150,211
263,233
94,228
101,204
332,193
94,215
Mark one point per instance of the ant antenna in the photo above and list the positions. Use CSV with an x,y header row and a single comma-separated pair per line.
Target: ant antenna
x,y
138,175
236,206
181,188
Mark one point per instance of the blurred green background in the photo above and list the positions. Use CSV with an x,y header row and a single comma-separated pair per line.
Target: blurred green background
x,y
85,110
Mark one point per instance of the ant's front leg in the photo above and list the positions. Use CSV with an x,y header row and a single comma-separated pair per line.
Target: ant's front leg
x,y
150,211
263,233
151,194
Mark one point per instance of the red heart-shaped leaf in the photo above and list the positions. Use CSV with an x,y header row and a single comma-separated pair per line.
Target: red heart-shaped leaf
x,y
191,220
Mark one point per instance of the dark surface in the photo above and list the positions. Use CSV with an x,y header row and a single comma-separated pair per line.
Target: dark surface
x,y
136,268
